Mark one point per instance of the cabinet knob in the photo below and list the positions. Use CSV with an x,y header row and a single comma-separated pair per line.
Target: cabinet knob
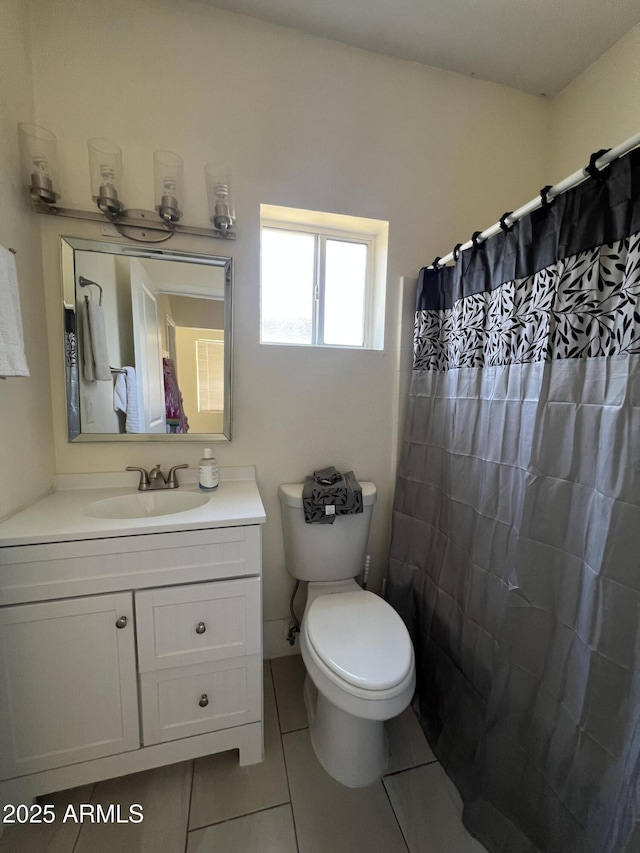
x,y
204,701
201,628
121,622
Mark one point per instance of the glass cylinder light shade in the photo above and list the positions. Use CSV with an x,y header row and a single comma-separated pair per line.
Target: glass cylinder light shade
x,y
220,202
105,164
39,152
168,170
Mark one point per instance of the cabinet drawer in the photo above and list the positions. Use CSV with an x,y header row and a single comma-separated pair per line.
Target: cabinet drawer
x,y
185,625
61,569
192,700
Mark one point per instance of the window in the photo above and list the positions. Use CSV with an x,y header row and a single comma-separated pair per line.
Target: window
x,y
322,279
210,368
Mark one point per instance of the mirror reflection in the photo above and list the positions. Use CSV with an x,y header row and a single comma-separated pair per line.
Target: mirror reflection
x,y
148,343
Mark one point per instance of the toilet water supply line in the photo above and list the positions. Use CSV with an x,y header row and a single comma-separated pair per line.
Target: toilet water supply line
x,y
365,572
295,626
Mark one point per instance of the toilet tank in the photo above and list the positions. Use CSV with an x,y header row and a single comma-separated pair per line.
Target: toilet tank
x,y
324,552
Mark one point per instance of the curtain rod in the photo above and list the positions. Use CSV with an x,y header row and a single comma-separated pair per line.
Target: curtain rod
x,y
597,163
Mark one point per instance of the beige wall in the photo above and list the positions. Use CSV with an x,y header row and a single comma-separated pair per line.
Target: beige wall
x,y
600,109
301,122
26,441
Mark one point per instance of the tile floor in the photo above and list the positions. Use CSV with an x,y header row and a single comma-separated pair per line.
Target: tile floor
x,y
287,804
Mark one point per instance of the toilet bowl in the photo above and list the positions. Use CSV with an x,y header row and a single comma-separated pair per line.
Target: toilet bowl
x,y
360,672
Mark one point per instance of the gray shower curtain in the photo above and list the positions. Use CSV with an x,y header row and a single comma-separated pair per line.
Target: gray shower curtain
x,y
515,555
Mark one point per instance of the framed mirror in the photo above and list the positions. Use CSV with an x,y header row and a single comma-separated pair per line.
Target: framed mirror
x,y
148,343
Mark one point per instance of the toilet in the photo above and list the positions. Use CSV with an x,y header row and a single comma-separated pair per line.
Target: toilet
x,y
355,647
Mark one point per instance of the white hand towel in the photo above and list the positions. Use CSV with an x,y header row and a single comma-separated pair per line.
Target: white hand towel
x,y
120,393
13,361
88,369
132,421
99,348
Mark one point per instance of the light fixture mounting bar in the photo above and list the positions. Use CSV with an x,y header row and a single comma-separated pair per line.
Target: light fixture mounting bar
x,y
141,220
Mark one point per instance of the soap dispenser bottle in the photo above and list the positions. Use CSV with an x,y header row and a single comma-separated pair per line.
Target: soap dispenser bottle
x,y
208,471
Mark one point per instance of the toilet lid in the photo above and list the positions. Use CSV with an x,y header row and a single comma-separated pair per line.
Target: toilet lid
x,y
361,638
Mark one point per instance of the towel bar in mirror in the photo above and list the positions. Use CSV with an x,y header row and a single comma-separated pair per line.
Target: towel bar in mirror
x,y
151,361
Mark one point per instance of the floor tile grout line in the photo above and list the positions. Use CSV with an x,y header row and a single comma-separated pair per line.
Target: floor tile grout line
x,y
298,729
275,698
286,770
193,774
75,843
412,767
82,824
284,758
240,816
404,837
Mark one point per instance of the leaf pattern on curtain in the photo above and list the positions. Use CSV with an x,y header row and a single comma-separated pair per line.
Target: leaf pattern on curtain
x,y
584,306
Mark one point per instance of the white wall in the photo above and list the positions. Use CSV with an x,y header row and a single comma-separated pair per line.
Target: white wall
x,y
301,122
600,109
26,443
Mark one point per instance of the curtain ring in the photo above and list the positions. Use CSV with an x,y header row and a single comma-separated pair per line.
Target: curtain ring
x,y
592,170
545,201
435,263
503,221
456,251
474,239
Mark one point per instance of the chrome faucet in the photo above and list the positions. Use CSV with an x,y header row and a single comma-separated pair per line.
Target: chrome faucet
x,y
155,479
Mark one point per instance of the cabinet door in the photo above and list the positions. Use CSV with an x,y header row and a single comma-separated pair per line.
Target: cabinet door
x,y
67,682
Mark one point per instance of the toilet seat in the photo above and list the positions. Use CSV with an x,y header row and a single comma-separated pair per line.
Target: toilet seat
x,y
360,639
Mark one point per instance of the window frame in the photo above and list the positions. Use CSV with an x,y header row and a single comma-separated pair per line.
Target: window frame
x,y
218,343
315,223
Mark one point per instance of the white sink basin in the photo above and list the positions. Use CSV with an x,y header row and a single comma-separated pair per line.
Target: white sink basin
x,y
146,504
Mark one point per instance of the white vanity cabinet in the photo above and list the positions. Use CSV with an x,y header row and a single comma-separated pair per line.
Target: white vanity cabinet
x,y
123,653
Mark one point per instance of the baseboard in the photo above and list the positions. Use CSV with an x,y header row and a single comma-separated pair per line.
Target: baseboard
x,y
274,639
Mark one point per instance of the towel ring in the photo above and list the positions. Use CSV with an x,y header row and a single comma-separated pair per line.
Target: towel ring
x,y
85,282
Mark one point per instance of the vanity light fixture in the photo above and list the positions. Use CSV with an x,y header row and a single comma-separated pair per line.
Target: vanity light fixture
x,y
39,165
40,177
169,178
105,166
220,203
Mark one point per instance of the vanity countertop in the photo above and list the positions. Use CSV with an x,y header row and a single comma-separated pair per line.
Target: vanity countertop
x,y
62,516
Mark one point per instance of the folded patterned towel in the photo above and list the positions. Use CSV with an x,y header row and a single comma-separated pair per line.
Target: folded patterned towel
x,y
321,503
327,476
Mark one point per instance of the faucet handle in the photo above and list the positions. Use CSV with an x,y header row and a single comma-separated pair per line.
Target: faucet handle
x,y
144,477
172,480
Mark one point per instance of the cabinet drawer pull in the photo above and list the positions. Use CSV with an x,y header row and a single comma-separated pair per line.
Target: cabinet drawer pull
x,y
121,622
204,701
201,628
